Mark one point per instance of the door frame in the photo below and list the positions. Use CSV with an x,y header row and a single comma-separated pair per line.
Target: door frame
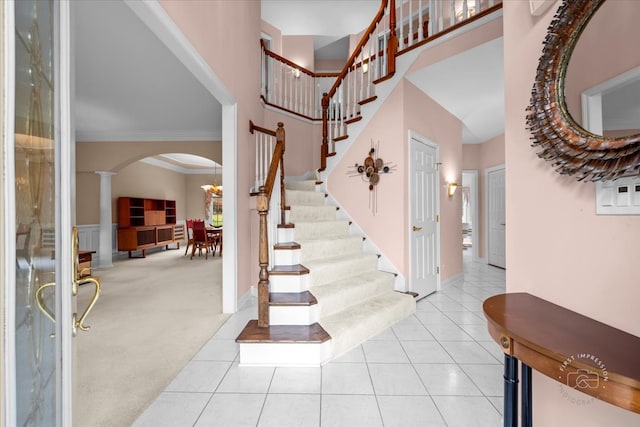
x,y
475,202
487,192
413,135
153,15
8,245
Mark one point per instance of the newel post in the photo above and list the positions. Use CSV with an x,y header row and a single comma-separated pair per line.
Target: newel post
x,y
324,150
262,205
280,137
392,47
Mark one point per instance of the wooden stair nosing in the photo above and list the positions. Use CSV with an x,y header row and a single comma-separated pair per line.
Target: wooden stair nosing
x,y
289,299
353,120
286,246
290,225
368,100
313,334
319,182
341,138
331,155
288,270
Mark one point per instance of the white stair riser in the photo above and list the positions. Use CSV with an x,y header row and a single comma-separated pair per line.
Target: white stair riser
x,y
289,283
285,354
285,235
286,257
293,315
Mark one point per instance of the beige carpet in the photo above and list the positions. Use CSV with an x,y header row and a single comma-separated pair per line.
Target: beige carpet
x,y
153,316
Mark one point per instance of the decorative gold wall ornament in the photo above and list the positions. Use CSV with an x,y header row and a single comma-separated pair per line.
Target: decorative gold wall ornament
x,y
370,171
560,140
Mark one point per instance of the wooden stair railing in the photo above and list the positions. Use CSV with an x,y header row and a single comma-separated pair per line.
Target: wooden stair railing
x,y
263,203
290,87
399,26
334,113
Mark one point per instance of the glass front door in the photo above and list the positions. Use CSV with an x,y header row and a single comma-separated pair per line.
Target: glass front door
x,y
35,152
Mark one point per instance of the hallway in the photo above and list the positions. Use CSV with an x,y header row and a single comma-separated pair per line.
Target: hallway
x,y
437,368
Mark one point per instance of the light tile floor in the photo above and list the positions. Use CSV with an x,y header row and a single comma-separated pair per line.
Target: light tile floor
x,y
439,367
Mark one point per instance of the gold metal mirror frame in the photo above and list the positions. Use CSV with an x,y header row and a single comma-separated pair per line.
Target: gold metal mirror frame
x,y
559,139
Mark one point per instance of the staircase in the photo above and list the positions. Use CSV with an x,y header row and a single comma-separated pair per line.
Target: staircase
x,y
326,294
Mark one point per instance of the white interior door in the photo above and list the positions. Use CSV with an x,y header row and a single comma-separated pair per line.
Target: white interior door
x,y
496,217
423,216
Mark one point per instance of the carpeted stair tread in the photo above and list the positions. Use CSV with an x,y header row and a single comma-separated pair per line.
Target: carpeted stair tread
x,y
320,229
306,198
301,185
327,270
252,333
302,213
351,327
328,248
341,294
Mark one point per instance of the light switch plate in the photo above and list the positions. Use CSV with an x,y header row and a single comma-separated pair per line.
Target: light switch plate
x,y
619,197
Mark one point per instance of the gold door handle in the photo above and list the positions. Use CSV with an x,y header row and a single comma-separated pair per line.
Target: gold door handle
x,y
77,281
416,228
79,323
40,301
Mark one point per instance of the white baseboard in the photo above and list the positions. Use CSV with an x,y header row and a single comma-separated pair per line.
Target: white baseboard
x,y
246,298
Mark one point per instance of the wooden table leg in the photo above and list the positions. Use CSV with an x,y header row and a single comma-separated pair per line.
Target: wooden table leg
x,y
510,391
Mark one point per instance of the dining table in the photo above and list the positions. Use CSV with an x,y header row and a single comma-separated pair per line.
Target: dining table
x,y
214,234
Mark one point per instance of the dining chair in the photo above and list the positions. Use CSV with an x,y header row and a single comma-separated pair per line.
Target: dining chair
x,y
189,235
200,240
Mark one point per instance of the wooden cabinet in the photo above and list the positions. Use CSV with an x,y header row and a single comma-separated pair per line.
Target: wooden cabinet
x,y
146,223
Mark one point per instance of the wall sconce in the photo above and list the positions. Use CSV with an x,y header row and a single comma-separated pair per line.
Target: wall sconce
x,y
451,188
365,67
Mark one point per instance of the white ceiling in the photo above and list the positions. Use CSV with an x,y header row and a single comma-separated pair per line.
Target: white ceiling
x,y
129,86
470,86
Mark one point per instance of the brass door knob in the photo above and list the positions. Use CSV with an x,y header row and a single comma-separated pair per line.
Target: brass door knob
x,y
416,228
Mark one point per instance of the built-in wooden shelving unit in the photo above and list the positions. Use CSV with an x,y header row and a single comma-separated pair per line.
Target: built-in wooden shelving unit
x,y
146,223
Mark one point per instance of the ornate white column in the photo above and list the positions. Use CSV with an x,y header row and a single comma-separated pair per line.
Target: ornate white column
x,y
105,255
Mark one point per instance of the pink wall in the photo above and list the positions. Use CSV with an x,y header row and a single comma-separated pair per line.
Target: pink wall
x,y
299,50
329,65
303,141
387,227
276,36
404,110
557,248
426,117
226,34
481,157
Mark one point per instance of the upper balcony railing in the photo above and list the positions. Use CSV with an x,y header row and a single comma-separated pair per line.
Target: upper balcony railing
x,y
336,99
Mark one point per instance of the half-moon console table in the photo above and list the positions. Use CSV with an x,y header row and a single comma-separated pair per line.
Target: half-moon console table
x,y
575,350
